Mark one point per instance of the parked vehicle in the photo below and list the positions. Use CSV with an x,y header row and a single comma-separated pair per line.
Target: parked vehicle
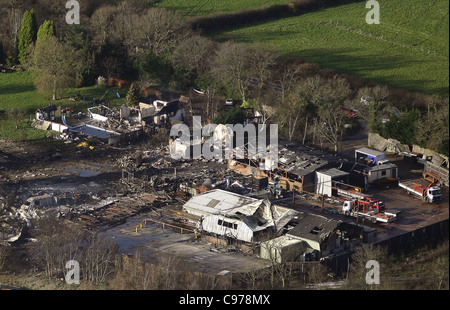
x,y
422,188
349,111
229,102
199,91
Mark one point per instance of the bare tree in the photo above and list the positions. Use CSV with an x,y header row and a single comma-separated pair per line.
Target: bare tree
x,y
281,258
441,272
328,95
231,68
14,20
291,112
317,272
253,277
102,22
262,62
432,131
98,259
58,243
331,124
356,277
4,253
192,54
158,29
288,76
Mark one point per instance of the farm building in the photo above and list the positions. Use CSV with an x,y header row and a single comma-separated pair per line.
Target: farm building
x,y
375,173
46,113
283,248
374,165
369,157
237,217
327,181
296,169
161,112
312,237
319,233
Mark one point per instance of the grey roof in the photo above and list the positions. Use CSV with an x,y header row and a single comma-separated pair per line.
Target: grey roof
x,y
381,167
371,152
333,172
313,227
217,201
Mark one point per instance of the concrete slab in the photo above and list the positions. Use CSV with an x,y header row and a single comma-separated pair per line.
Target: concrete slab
x,y
154,241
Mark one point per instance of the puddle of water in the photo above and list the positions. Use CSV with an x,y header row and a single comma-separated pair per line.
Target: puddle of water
x,y
84,173
124,236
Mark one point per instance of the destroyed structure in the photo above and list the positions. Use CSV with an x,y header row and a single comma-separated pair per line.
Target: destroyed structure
x,y
236,216
245,203
111,125
312,238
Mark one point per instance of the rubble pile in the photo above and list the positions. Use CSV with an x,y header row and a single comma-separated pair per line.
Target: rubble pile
x,y
118,210
11,225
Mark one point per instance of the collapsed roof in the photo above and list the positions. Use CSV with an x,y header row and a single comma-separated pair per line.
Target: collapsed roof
x,y
257,214
314,227
303,160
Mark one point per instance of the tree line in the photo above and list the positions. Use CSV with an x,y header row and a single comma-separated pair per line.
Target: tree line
x,y
155,47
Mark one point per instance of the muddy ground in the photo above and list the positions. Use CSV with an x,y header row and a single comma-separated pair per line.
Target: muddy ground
x,y
83,179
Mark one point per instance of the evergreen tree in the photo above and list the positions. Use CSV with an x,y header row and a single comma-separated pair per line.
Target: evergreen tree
x,y
47,29
27,35
133,95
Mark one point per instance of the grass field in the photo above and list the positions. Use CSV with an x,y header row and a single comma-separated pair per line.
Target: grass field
x,y
408,49
17,91
205,7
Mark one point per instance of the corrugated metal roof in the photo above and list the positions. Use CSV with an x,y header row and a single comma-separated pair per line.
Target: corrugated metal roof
x,y
257,214
216,201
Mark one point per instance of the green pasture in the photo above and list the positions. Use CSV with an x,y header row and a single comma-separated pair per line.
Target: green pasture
x,y
408,49
205,7
17,91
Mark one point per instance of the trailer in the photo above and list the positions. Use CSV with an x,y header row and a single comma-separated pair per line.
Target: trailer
x,y
350,194
426,190
359,207
369,208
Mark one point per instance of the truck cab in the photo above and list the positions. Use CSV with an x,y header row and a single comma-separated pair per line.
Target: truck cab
x,y
434,194
366,204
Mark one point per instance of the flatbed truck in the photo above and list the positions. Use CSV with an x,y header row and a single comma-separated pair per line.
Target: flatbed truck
x,y
426,190
369,208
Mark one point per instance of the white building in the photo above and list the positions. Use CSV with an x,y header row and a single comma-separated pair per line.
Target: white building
x,y
382,171
369,157
377,167
325,181
236,216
